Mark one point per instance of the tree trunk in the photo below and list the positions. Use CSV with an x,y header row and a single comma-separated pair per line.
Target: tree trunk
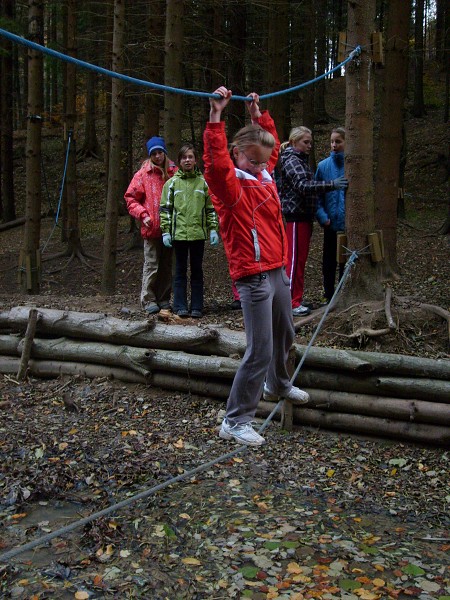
x,y
360,210
278,66
173,75
418,109
322,46
115,191
29,262
390,143
73,229
236,67
153,104
7,199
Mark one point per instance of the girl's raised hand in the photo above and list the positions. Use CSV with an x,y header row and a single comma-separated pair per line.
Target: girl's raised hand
x,y
253,106
218,104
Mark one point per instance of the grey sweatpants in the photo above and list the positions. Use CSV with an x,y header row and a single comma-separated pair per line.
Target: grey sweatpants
x,y
269,329
156,273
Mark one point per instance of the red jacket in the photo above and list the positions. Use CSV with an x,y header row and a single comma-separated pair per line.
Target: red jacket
x,y
143,196
248,207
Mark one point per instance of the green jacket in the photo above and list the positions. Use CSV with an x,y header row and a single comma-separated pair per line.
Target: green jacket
x,y
186,209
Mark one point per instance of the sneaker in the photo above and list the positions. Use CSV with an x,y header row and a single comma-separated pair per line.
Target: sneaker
x,y
182,313
236,305
301,311
152,308
295,394
242,432
196,314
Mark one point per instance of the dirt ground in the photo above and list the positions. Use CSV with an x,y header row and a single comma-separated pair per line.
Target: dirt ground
x,y
313,514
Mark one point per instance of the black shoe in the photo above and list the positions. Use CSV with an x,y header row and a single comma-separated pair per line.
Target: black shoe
x,y
236,305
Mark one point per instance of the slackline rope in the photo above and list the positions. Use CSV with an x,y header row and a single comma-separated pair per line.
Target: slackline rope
x,y
69,141
165,88
6,556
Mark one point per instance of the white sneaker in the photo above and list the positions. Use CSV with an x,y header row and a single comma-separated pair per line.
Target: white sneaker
x,y
301,311
241,432
295,394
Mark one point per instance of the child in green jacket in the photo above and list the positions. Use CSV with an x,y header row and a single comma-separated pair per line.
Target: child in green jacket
x,y
188,218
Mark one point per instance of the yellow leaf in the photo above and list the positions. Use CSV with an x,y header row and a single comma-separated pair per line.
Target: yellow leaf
x,y
222,583
237,460
185,516
23,582
393,471
190,561
330,472
301,579
132,432
179,444
81,595
73,430
109,549
378,582
63,445
294,567
366,595
234,482
379,568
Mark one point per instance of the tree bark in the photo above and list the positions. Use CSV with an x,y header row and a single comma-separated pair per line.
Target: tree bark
x,y
173,74
390,143
360,209
418,109
29,261
115,163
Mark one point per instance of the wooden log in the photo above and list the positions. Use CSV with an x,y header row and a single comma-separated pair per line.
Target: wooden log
x,y
433,390
27,343
137,359
410,410
54,368
218,341
365,425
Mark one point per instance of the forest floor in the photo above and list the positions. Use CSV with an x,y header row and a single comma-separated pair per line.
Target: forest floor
x,y
313,514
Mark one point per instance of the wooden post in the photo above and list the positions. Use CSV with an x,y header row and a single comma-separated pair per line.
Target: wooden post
x,y
287,411
27,343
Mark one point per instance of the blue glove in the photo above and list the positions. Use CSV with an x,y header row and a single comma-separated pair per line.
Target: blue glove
x,y
167,240
340,183
213,238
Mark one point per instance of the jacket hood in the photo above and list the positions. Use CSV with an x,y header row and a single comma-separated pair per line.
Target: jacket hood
x,y
189,174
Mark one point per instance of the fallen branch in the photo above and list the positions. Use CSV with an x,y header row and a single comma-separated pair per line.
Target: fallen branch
x,y
387,307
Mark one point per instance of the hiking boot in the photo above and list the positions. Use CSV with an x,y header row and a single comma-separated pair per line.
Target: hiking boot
x,y
301,311
242,433
295,394
152,308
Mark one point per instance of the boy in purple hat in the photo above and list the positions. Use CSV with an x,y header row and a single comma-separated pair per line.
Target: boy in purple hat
x,y
143,200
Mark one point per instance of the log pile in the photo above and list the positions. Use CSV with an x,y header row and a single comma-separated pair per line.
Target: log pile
x,y
387,395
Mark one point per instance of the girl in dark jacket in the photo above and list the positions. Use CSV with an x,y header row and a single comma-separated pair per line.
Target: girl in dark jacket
x,y
299,197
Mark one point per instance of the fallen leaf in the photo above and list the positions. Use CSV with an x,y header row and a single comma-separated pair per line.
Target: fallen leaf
x,y
190,560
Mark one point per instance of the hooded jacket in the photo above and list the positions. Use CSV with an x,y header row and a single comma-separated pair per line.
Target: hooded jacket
x,y
249,210
331,205
299,189
186,209
143,196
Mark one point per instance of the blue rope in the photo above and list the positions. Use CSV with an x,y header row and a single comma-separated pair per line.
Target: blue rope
x,y
61,190
164,88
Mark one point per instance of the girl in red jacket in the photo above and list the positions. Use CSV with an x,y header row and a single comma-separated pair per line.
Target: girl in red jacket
x,y
143,198
246,200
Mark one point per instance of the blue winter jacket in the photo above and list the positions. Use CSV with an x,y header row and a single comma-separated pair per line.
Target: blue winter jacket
x,y
332,204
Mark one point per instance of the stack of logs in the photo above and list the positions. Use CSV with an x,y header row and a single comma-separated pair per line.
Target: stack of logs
x,y
386,395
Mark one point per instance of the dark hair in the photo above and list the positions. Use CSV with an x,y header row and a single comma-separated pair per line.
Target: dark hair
x,y
185,148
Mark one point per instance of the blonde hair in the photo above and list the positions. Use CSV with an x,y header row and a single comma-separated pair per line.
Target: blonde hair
x,y
295,135
251,135
163,169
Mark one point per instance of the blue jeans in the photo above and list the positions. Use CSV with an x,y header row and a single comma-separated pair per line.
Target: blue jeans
x,y
194,250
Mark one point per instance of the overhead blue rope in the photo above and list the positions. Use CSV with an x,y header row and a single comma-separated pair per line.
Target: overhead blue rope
x,y
157,86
